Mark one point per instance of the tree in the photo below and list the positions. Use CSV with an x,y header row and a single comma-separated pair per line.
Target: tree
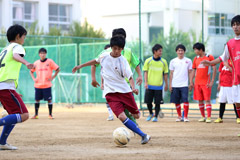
x,y
174,38
85,30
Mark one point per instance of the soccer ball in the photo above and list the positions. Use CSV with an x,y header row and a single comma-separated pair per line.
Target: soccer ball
x,y
121,136
4,113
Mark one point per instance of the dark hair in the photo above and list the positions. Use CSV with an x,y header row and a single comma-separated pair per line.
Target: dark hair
x,y
42,50
119,31
156,47
117,41
199,46
14,30
180,46
235,19
107,46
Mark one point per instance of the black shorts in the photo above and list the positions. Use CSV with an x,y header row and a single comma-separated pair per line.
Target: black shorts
x,y
43,93
156,94
179,95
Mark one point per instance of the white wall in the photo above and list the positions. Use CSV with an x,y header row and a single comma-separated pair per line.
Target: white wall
x,y
0,14
6,11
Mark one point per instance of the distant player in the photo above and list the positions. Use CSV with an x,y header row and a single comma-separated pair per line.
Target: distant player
x,y
203,82
10,64
225,88
43,81
180,71
115,69
155,72
232,52
133,61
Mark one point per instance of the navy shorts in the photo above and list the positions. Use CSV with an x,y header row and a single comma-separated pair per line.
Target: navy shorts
x,y
179,95
153,94
43,93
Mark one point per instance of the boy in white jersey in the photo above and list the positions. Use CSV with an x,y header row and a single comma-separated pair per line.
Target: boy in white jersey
x,y
115,69
232,52
180,71
10,65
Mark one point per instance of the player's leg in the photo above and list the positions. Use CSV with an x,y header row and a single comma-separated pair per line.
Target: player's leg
x,y
237,117
38,97
209,111
207,98
157,100
148,99
17,111
128,114
175,98
222,100
236,98
238,110
222,110
184,99
50,108
118,103
198,95
110,114
47,95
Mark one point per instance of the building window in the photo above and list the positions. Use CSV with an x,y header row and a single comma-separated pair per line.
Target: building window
x,y
24,13
154,32
59,16
219,24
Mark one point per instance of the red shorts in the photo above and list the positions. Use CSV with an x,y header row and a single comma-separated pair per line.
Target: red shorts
x,y
121,101
202,93
12,102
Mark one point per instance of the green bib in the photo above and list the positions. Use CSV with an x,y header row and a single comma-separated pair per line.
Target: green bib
x,y
9,67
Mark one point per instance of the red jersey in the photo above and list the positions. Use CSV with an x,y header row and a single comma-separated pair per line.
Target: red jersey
x,y
44,73
225,75
202,72
234,54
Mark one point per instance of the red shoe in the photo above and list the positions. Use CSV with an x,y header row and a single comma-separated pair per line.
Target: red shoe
x,y
50,117
35,117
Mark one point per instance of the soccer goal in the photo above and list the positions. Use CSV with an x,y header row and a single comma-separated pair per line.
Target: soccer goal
x,y
70,88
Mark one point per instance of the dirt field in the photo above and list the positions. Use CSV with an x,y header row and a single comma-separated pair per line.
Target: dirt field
x,y
84,133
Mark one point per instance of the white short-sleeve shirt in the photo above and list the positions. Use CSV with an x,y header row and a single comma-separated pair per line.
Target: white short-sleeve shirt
x,y
114,71
180,74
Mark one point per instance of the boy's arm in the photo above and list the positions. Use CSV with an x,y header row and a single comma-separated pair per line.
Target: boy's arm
x,y
131,81
228,67
166,81
213,76
32,75
139,79
18,58
170,80
213,62
102,86
191,79
89,63
93,75
146,79
218,88
55,74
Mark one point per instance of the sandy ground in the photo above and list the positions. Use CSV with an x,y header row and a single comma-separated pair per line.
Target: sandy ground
x,y
84,133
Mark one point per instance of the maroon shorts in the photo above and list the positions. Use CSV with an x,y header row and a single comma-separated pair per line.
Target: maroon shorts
x,y
121,101
12,102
